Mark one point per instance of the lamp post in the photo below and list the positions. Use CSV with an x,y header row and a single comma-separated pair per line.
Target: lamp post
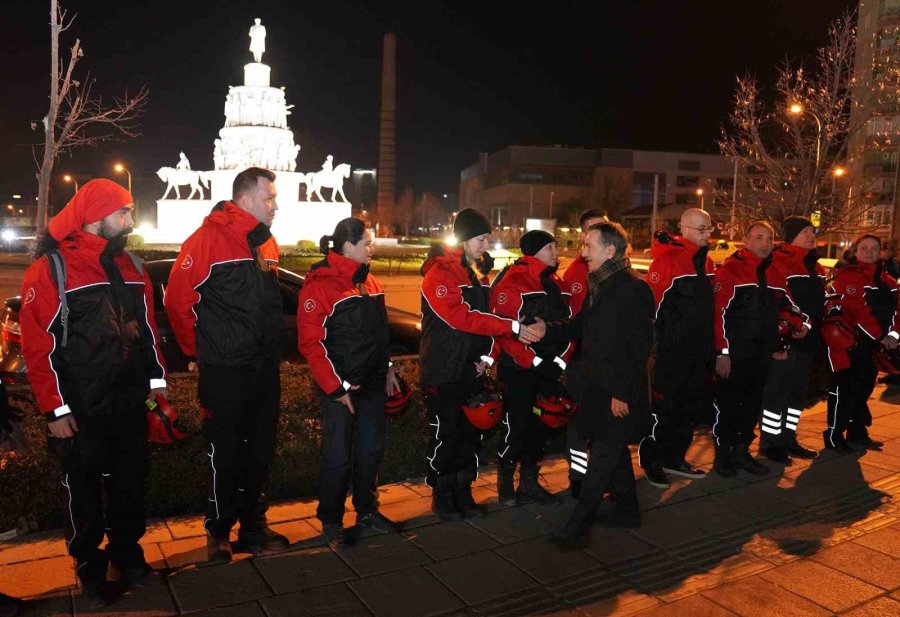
x,y
797,109
71,180
120,168
700,195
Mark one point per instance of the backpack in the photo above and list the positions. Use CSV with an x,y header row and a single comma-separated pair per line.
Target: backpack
x,y
58,272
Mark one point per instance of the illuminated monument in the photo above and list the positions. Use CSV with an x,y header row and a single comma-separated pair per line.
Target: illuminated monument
x,y
255,134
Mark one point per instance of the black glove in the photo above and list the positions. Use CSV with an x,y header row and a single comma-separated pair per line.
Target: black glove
x,y
485,264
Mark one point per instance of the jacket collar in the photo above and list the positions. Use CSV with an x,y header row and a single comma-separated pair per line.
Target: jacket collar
x,y
533,267
341,266
86,242
230,214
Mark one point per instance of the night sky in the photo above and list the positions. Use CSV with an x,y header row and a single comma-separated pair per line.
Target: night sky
x,y
472,76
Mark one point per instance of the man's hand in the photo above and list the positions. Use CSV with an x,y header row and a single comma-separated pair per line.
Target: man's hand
x,y
163,392
345,400
192,367
723,366
480,368
392,385
533,333
64,428
780,355
802,333
619,408
889,341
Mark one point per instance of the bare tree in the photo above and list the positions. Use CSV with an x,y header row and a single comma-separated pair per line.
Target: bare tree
x,y
403,211
77,116
611,190
788,144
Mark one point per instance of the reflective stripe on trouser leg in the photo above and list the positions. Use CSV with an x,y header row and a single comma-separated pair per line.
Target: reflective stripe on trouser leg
x,y
793,418
771,422
577,461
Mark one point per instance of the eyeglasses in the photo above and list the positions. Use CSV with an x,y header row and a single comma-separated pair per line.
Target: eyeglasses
x,y
703,230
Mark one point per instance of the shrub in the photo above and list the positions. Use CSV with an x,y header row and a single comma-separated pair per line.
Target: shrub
x,y
134,242
308,245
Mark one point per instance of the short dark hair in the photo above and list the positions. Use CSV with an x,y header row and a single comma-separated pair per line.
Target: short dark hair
x,y
612,234
593,213
246,181
759,223
348,230
859,240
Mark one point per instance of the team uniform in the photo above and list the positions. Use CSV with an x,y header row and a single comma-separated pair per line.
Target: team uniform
x,y
575,279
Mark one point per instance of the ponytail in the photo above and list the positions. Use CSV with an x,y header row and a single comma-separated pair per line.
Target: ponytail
x,y
325,244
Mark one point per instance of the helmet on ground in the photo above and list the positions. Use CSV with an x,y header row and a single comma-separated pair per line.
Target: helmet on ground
x,y
887,360
162,422
484,410
398,401
555,409
837,333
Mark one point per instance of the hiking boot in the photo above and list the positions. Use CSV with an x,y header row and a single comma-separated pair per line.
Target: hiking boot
x,y
506,492
443,499
684,470
9,606
218,550
137,575
575,486
743,460
261,540
336,535
796,450
465,503
860,440
723,464
834,440
530,489
776,454
656,476
378,522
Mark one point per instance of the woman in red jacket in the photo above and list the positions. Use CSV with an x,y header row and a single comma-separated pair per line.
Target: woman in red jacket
x,y
343,334
867,297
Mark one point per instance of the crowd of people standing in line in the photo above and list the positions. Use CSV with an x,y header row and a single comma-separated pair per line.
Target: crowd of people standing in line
x,y
571,351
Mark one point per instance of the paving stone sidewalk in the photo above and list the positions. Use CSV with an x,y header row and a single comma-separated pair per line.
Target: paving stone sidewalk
x,y
814,538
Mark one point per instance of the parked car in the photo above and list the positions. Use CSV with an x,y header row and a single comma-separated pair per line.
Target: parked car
x,y
405,327
720,249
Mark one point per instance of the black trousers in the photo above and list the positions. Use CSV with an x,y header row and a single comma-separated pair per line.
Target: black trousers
x,y
609,470
679,387
454,441
352,448
783,398
848,407
739,401
104,469
243,403
523,435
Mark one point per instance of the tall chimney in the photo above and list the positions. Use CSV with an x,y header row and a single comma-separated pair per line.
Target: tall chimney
x,y
387,143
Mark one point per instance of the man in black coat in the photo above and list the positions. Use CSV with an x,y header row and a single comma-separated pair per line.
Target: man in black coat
x,y
616,332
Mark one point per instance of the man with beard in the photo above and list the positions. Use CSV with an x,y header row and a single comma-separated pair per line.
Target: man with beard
x,y
527,290
224,304
796,262
90,345
680,279
457,347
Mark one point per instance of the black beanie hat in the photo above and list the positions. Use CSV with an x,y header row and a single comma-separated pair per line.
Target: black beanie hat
x,y
792,226
470,223
533,241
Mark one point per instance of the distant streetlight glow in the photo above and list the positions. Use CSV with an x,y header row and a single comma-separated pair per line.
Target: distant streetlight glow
x,y
71,180
839,171
796,108
120,168
450,240
700,195
8,235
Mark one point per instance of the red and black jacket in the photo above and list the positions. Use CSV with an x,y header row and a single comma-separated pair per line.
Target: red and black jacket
x,y
868,298
575,277
805,280
524,290
680,278
223,298
457,325
747,301
342,326
111,359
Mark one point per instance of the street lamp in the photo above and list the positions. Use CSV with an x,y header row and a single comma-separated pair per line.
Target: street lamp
x,y
120,168
700,195
797,109
837,172
71,180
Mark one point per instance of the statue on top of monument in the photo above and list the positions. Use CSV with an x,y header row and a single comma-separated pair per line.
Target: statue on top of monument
x,y
257,40
183,162
328,166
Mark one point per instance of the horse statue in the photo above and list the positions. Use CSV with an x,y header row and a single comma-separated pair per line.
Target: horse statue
x,y
176,177
315,181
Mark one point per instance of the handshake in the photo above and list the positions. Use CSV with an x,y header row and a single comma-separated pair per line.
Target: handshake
x,y
533,333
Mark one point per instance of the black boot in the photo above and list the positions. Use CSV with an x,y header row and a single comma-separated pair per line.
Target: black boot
x,y
858,438
777,454
506,492
465,504
723,463
443,501
743,460
531,491
574,535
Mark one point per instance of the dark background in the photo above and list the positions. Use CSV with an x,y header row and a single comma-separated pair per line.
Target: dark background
x,y
472,77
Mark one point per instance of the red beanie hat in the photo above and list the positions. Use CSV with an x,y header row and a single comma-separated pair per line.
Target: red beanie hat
x,y
95,201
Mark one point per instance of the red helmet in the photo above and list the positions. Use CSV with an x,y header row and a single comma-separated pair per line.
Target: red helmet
x,y
790,320
887,360
555,409
398,401
162,422
837,333
484,410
